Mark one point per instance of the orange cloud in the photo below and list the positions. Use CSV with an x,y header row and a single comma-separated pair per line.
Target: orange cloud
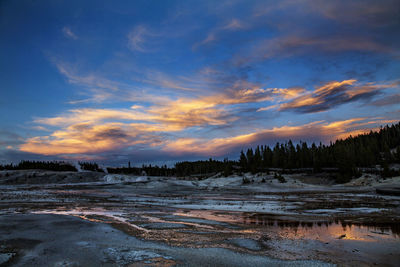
x,y
90,130
326,131
288,93
330,86
86,138
91,137
333,94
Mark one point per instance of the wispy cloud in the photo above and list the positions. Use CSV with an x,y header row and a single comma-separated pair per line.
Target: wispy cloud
x,y
89,80
139,38
297,45
69,33
271,107
214,34
369,12
99,88
87,115
8,138
387,100
333,94
234,24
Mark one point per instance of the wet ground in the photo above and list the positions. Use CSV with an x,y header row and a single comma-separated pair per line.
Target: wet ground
x,y
167,222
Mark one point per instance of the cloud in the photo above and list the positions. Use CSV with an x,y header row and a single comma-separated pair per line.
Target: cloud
x,y
333,94
387,101
160,79
98,88
69,33
98,131
138,39
90,80
91,139
160,122
8,138
288,93
94,130
183,112
268,108
210,38
87,139
320,28
188,113
96,96
94,87
234,24
214,34
296,45
88,115
362,12
321,130
172,114
369,12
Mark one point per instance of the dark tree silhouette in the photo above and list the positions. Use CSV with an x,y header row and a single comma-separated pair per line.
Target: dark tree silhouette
x,y
343,156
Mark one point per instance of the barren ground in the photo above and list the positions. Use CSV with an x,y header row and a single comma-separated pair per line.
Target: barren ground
x,y
93,219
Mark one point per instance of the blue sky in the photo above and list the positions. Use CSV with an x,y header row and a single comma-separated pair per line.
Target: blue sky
x,y
146,81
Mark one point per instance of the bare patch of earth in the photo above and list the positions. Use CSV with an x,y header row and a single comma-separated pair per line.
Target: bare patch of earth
x,y
167,222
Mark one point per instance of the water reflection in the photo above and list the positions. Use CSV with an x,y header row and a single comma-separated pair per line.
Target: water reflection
x,y
97,214
323,230
326,230
211,215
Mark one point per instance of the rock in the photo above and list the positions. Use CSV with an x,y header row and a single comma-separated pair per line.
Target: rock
x,y
125,256
5,257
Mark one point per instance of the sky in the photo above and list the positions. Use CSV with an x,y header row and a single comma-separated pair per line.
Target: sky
x,y
165,81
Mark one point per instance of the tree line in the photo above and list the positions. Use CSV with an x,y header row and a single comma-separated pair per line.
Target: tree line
x,y
344,156
365,150
40,165
144,170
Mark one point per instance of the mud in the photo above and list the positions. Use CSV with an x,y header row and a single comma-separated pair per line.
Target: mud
x,y
192,223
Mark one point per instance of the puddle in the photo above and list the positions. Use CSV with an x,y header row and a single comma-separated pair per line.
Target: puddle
x,y
326,230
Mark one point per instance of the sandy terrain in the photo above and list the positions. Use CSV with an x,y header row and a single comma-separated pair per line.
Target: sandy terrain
x,y
97,219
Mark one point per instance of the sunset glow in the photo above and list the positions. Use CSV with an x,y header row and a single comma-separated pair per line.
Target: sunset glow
x,y
182,80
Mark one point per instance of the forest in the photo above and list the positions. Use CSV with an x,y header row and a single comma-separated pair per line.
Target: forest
x,y
344,157
40,165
